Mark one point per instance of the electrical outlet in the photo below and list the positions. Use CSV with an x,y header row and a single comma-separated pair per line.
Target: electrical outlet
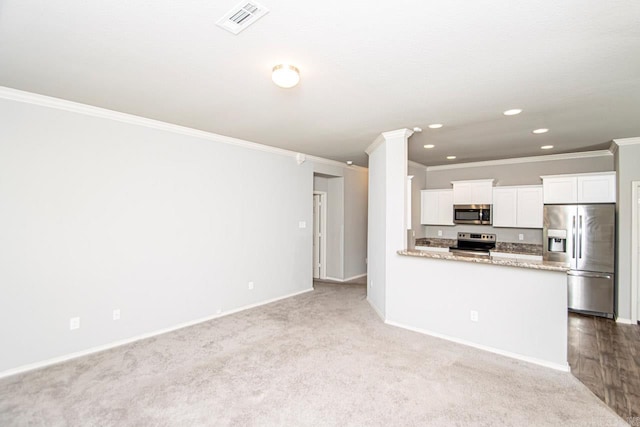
x,y
250,285
218,311
439,233
520,236
74,323
116,314
473,316
302,224
371,284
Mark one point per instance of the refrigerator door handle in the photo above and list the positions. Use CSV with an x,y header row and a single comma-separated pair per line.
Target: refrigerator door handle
x,y
573,234
580,237
591,275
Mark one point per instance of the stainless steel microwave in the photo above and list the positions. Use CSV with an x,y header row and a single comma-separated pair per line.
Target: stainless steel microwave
x,y
472,214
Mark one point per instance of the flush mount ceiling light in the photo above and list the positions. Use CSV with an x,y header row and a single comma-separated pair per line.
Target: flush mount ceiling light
x,y
546,147
512,112
451,157
436,126
429,146
541,130
285,75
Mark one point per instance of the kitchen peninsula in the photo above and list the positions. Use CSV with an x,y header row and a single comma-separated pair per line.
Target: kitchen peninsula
x,y
513,307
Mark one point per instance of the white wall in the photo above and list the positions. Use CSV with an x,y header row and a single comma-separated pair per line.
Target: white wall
x,y
521,312
376,233
99,214
628,170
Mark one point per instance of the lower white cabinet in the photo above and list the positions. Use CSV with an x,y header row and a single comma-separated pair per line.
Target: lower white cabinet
x,y
436,207
520,206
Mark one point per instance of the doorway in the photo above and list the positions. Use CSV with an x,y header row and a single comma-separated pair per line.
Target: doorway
x,y
635,252
319,234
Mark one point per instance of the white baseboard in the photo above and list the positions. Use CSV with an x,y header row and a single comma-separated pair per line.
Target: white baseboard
x,y
335,279
557,366
75,355
625,321
376,309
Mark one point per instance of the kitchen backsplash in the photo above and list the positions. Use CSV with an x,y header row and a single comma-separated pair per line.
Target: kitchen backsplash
x,y
530,235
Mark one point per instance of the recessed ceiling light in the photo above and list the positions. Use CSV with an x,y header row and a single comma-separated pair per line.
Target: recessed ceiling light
x,y
547,147
349,162
417,129
435,126
285,75
512,112
429,146
451,157
541,130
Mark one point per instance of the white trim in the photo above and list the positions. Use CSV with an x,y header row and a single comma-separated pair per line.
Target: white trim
x,y
416,165
398,133
627,141
335,279
323,233
564,175
89,110
545,158
375,144
624,321
376,309
77,354
635,230
557,366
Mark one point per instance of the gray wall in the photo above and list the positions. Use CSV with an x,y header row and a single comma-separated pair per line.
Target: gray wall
x,y
99,214
355,222
628,170
519,173
346,188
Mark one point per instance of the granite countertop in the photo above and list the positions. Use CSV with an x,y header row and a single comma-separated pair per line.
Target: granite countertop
x,y
536,265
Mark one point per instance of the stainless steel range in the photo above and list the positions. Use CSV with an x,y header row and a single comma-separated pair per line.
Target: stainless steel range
x,y
474,244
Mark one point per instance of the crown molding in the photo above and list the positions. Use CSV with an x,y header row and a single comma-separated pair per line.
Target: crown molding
x,y
384,136
416,165
89,110
532,159
626,141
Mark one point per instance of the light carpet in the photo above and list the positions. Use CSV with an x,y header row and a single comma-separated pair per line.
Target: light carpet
x,y
321,358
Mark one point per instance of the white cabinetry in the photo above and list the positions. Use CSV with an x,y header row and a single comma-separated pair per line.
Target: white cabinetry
x,y
519,206
476,192
597,187
437,207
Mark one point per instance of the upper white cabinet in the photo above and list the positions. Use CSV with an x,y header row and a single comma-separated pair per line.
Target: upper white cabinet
x,y
520,206
597,187
475,192
437,207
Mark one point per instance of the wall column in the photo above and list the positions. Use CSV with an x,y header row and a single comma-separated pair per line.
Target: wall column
x,y
387,203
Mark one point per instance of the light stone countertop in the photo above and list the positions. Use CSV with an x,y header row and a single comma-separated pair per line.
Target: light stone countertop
x,y
535,265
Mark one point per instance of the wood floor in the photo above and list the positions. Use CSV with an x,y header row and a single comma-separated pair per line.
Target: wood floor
x,y
605,356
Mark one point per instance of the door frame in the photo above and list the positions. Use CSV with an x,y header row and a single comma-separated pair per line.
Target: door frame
x,y
323,233
635,254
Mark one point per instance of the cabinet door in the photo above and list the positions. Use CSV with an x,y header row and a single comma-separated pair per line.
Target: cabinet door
x,y
481,193
429,207
529,207
504,207
462,193
560,190
445,207
597,188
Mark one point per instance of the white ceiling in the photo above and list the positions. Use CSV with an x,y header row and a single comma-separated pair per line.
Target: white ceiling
x,y
366,67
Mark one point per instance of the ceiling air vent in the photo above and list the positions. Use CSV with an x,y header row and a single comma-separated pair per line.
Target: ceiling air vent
x,y
241,16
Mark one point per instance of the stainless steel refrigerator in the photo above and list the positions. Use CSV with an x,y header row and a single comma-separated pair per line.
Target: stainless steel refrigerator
x,y
583,236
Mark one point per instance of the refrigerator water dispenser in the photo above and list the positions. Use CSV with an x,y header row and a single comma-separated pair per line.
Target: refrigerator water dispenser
x,y
557,240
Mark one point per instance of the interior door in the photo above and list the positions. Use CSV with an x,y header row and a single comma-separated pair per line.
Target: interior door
x,y
596,235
